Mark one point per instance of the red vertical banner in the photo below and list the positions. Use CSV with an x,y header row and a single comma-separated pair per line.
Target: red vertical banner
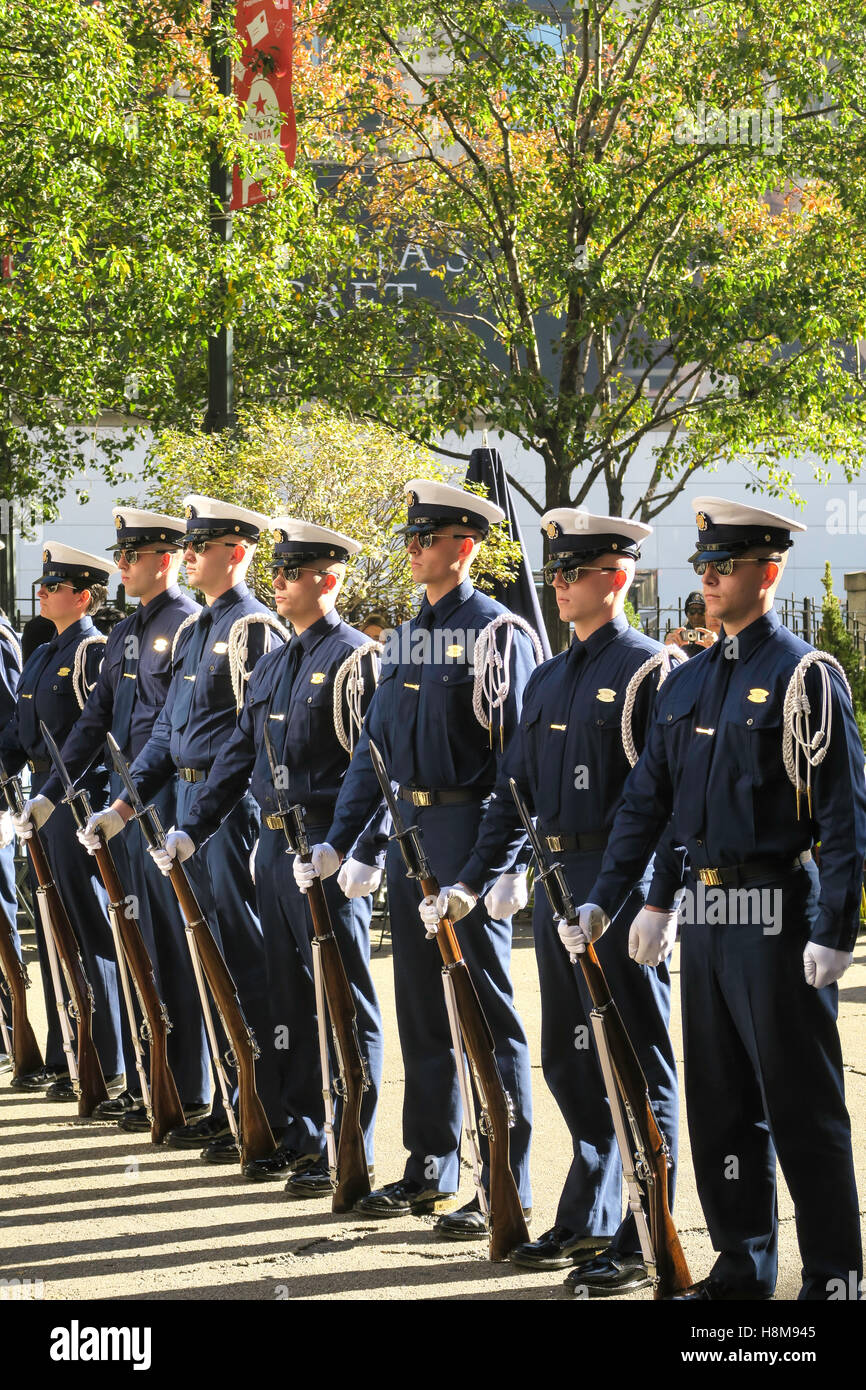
x,y
263,86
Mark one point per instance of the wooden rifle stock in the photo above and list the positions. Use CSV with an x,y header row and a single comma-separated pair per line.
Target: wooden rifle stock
x,y
353,1178
91,1082
671,1268
25,1049
256,1137
507,1222
167,1111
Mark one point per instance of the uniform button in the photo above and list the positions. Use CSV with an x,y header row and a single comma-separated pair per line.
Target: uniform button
x,y
309,699
211,668
444,678
670,717
750,722
699,842
600,723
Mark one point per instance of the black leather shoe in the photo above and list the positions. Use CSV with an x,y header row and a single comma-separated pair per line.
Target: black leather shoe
x,y
38,1080
64,1090
279,1164
223,1150
606,1276
198,1133
405,1198
137,1120
708,1291
314,1181
113,1109
557,1249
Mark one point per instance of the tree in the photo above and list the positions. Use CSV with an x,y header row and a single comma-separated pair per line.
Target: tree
x,y
111,280
328,469
833,637
642,217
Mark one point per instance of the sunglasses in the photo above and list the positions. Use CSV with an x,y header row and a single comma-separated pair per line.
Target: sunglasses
x,y
54,585
132,557
290,572
199,547
571,573
725,567
425,539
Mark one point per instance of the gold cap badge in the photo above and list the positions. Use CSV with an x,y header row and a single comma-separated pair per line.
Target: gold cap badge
x,y
118,521
703,521
553,529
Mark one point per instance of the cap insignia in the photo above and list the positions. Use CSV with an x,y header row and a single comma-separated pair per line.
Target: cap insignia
x,y
703,521
553,529
118,522
278,535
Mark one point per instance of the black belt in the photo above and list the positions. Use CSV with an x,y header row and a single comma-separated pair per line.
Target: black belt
x,y
568,844
447,797
313,815
39,764
735,875
191,774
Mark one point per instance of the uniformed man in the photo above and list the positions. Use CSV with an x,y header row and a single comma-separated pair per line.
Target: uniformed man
x,y
129,695
569,761
214,652
441,746
698,632
53,688
754,754
291,694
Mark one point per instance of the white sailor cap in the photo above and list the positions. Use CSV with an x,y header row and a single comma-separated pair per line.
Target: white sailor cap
x,y
143,528
61,564
431,505
573,532
207,517
296,541
726,528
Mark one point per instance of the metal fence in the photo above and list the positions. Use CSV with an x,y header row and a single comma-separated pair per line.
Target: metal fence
x,y
801,615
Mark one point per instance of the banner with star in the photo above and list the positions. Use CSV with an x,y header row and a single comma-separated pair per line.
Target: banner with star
x,y
263,86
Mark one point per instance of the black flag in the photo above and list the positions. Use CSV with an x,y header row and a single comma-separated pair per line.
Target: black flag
x,y
519,594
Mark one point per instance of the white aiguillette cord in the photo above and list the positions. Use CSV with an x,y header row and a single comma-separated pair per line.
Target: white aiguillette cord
x,y
667,658
797,737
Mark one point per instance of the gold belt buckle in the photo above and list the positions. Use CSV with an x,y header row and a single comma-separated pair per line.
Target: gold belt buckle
x,y
554,844
712,877
422,798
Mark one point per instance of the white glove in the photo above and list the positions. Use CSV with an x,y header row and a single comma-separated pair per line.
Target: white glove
x,y
324,862
508,895
358,880
824,966
452,903
32,815
108,822
7,829
651,937
592,922
178,846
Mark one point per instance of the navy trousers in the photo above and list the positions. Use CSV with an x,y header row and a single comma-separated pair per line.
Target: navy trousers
x,y
763,1071
431,1105
86,903
220,876
288,931
591,1200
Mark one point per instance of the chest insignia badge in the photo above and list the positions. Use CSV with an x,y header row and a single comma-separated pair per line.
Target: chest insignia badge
x,y
757,695
318,678
160,644
64,670
454,650
559,726
606,695
220,648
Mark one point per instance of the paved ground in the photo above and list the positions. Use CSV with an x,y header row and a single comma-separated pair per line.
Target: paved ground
x,y
93,1213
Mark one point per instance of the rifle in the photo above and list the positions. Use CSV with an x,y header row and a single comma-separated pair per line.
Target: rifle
x,y
646,1159
505,1214
161,1098
25,1049
85,1070
252,1131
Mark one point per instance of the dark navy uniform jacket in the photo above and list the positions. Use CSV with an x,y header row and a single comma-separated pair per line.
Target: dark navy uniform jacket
x,y
194,737
45,692
568,758
138,650
10,672
727,790
421,717
303,736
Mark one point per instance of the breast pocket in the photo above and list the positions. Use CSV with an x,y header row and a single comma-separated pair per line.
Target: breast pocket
x,y
448,698
760,730
676,718
214,675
